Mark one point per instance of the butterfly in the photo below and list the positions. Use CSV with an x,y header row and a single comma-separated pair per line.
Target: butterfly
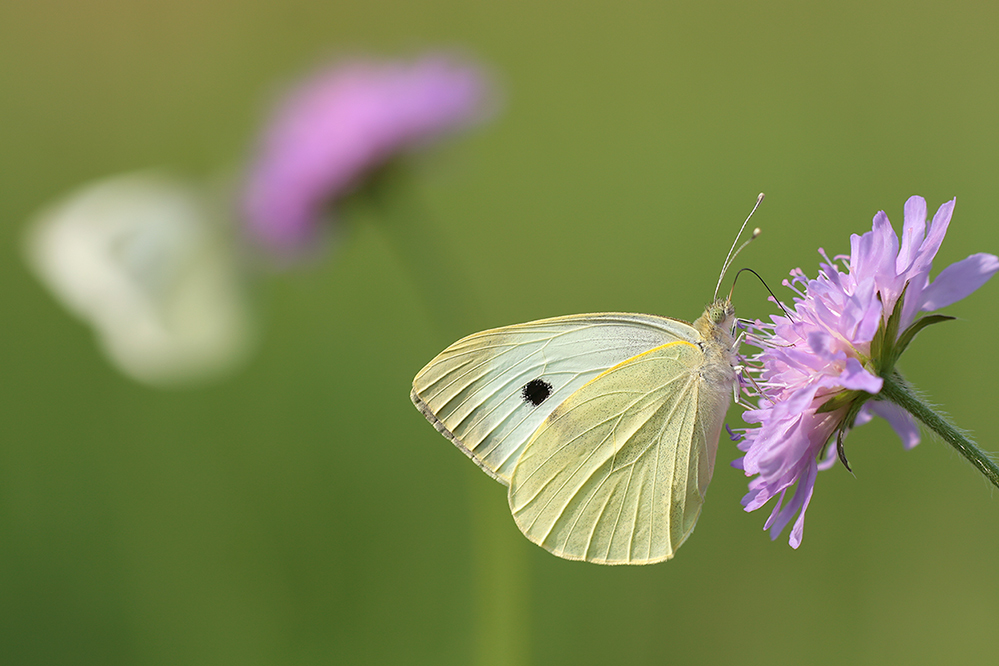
x,y
603,426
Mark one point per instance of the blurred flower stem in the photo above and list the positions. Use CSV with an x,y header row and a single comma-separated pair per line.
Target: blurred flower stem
x,y
499,560
897,391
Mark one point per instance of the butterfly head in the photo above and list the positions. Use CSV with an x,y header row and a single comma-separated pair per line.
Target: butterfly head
x,y
718,319
721,313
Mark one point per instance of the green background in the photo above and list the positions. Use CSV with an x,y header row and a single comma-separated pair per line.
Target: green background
x,y
302,512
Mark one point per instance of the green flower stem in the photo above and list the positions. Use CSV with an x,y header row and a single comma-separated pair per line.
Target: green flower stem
x,y
425,254
896,391
501,599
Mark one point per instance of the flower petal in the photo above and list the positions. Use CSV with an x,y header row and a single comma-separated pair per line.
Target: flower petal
x,y
870,252
830,457
868,325
806,486
900,420
928,250
913,231
782,515
856,378
959,280
918,275
863,416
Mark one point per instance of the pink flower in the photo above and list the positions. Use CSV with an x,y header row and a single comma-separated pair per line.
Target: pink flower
x,y
820,367
342,123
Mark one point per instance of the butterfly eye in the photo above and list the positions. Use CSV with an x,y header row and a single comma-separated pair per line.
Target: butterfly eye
x,y
721,312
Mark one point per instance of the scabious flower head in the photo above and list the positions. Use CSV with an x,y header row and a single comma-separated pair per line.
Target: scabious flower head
x,y
827,356
342,123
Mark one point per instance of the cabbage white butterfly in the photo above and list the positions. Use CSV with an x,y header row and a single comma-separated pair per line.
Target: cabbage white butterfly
x,y
604,426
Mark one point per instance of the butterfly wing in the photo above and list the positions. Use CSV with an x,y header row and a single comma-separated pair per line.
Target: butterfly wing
x,y
490,391
617,473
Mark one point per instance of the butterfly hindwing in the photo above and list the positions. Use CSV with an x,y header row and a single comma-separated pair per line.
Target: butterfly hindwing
x,y
617,473
490,391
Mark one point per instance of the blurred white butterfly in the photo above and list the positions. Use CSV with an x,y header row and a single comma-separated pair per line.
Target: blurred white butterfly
x,y
604,426
149,262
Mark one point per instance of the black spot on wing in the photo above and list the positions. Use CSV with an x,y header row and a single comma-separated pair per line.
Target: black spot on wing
x,y
536,391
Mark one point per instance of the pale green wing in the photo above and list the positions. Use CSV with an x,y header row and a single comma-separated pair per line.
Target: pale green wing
x,y
489,392
617,474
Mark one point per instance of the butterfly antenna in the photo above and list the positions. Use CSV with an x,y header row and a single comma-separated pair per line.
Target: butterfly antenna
x,y
732,253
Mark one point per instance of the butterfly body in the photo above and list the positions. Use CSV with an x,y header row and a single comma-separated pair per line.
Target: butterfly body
x,y
604,426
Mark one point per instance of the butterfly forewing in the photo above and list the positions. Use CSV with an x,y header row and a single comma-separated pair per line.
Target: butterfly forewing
x,y
617,473
490,391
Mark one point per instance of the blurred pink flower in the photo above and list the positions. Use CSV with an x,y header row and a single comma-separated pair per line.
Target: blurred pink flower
x,y
820,366
342,123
